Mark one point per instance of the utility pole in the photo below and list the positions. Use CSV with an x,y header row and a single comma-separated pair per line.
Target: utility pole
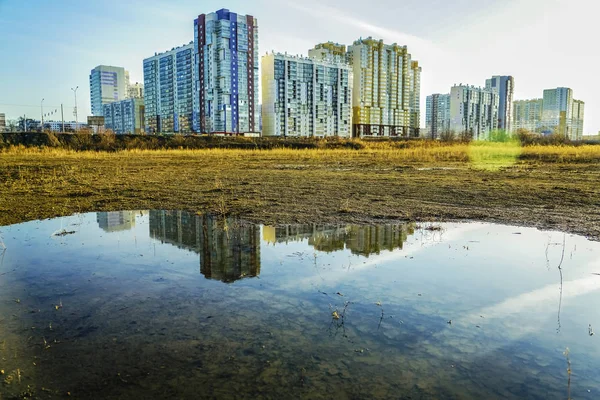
x,y
225,117
62,116
76,119
42,107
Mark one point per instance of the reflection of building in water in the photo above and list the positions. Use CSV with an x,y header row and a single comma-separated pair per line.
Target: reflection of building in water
x,y
229,249
115,221
359,239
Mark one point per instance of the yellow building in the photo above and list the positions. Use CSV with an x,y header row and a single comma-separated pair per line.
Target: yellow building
x,y
326,51
386,90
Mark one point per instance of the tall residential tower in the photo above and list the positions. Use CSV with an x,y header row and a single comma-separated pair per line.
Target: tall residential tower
x,y
437,116
386,90
306,97
227,79
527,114
504,87
473,111
107,84
169,91
558,111
328,51
577,120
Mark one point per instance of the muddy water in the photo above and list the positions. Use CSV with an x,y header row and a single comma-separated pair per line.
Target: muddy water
x,y
162,304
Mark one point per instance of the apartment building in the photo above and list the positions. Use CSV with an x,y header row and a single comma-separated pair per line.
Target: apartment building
x,y
504,87
169,95
135,91
558,111
125,116
227,77
577,120
437,116
386,89
107,84
306,96
328,51
527,114
473,111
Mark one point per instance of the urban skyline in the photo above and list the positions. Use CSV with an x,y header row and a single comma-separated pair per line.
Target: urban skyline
x,y
425,46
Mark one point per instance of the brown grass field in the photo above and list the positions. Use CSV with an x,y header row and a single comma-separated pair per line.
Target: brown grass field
x,y
550,187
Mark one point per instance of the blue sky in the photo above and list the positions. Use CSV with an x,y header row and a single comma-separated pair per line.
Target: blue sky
x,y
48,47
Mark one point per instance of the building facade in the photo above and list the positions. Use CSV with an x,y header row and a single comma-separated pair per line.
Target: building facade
x,y
386,89
328,51
228,249
577,120
57,126
107,84
305,97
504,87
135,91
125,116
227,73
437,116
473,111
558,111
169,83
2,122
527,114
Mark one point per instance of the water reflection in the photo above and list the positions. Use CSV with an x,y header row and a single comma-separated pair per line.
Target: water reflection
x,y
364,240
115,221
339,311
229,249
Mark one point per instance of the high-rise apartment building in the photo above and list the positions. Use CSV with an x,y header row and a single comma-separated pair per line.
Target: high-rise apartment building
x,y
125,116
2,122
504,86
386,89
169,82
473,111
558,111
577,120
135,91
226,64
437,116
107,84
328,51
228,249
305,96
527,114
127,81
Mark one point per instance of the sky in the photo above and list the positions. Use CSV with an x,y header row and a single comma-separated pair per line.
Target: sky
x,y
47,48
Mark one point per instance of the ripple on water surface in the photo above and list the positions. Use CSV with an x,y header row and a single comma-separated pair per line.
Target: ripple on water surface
x,y
166,304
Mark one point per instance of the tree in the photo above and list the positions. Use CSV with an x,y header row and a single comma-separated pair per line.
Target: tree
x,y
12,125
447,136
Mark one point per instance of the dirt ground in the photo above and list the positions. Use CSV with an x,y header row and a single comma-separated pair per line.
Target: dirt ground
x,y
276,187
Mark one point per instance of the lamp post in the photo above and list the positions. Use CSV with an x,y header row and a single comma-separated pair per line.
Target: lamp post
x,y
76,119
42,107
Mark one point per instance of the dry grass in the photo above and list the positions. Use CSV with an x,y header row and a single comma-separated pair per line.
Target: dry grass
x,y
549,186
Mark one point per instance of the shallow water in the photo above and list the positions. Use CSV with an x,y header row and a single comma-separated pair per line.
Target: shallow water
x,y
170,305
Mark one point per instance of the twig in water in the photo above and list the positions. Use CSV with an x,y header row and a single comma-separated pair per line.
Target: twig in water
x,y
561,280
566,353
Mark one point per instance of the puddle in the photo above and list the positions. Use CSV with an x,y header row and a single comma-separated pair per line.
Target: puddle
x,y
163,305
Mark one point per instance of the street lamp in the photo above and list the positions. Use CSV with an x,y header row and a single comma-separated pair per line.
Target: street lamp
x,y
42,107
76,119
